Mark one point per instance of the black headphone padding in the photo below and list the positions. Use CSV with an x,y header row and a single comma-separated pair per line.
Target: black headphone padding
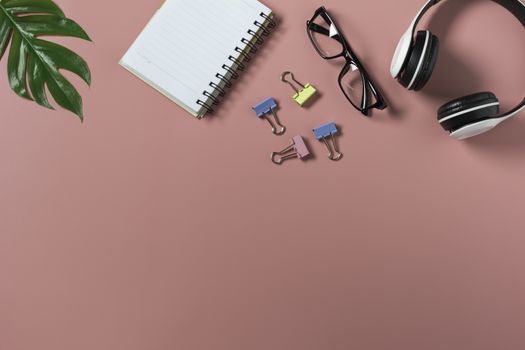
x,y
428,64
465,103
429,61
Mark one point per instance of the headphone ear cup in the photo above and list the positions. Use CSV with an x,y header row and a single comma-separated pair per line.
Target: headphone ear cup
x,y
428,65
466,110
422,60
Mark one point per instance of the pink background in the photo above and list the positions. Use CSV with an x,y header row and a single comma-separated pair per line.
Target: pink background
x,y
146,229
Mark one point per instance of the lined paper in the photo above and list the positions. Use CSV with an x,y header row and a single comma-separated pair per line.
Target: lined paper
x,y
186,44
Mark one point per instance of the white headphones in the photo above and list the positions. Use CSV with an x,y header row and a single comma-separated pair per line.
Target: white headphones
x,y
414,62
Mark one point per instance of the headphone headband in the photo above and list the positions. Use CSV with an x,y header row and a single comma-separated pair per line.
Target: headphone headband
x,y
516,7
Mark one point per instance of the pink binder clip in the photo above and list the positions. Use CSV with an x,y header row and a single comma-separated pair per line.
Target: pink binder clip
x,y
297,149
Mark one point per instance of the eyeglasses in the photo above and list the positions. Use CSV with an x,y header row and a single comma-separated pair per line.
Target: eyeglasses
x,y
354,81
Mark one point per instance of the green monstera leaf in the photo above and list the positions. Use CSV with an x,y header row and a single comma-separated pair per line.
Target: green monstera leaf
x,y
34,64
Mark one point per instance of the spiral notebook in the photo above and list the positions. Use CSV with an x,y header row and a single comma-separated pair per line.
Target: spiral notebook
x,y
191,50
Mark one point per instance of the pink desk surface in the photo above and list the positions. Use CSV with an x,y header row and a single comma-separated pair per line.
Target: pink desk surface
x,y
146,229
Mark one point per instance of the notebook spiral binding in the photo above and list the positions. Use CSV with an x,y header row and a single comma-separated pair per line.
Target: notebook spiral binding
x,y
238,64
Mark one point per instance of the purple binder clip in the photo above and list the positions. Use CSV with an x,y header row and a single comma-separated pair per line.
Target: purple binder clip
x,y
268,106
297,149
326,133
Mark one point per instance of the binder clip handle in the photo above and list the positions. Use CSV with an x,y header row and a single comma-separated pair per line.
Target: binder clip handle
x,y
334,153
298,149
293,80
277,127
303,93
326,133
262,110
281,156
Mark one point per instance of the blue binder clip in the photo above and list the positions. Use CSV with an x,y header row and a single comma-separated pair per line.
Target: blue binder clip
x,y
266,107
326,133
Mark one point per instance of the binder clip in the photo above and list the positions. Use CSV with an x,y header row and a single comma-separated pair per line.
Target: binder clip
x,y
297,149
326,132
268,106
302,95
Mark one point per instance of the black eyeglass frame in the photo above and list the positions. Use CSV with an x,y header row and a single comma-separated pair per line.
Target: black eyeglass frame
x,y
351,59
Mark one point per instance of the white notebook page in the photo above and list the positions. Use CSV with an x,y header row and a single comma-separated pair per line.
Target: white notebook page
x,y
187,42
